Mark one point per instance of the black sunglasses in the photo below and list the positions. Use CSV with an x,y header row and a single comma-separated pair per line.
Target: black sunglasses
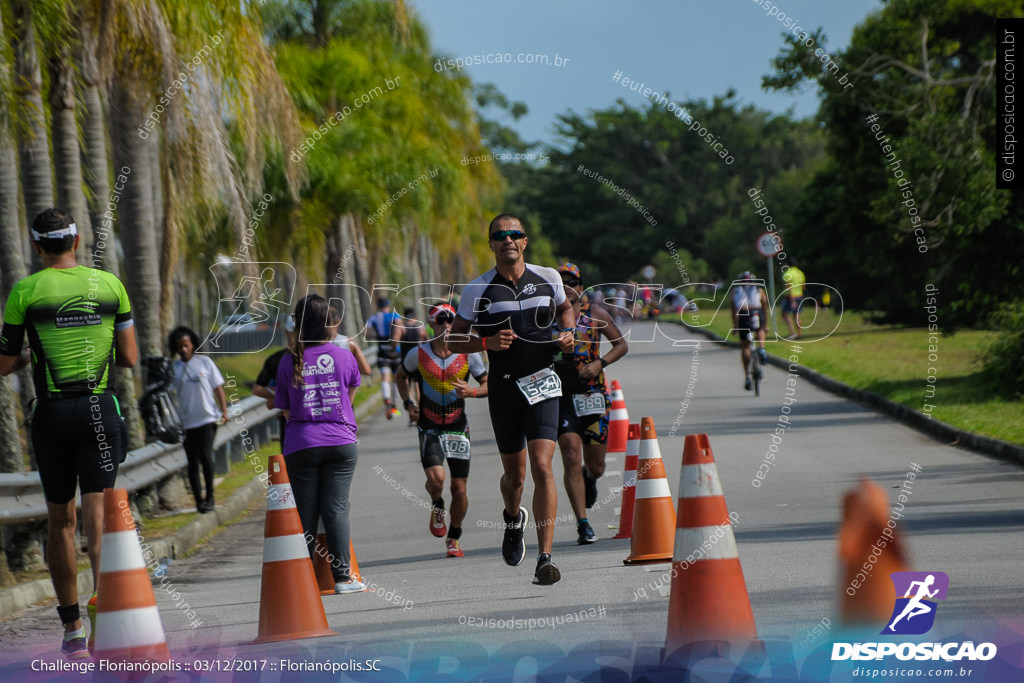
x,y
500,235
442,319
572,283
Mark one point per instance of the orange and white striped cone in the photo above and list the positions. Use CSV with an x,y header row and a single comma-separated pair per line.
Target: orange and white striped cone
x,y
290,605
618,420
709,600
866,534
629,483
128,626
653,513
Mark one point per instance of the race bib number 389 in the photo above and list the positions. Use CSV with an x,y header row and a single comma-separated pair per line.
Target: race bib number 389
x,y
588,404
539,386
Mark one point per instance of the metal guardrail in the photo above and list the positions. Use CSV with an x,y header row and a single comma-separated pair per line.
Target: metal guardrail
x,y
21,493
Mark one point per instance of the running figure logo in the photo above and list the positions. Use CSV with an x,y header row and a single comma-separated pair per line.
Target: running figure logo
x,y
254,303
914,613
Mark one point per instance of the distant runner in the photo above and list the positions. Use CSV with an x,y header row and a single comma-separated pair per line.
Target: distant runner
x,y
585,403
386,326
441,417
749,304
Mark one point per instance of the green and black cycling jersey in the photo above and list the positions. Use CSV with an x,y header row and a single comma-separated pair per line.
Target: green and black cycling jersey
x,y
72,316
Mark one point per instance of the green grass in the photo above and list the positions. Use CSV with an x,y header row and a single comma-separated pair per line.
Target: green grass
x,y
893,361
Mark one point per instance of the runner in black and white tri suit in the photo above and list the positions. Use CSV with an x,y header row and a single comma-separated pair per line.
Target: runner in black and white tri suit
x,y
512,308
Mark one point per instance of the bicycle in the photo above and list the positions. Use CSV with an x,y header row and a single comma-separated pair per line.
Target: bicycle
x,y
754,364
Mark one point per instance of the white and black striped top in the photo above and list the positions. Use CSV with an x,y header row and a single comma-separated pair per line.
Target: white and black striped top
x,y
492,303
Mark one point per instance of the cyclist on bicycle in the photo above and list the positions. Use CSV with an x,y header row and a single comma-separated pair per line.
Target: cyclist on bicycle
x,y
749,314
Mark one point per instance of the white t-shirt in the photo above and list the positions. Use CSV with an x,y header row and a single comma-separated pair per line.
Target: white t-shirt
x,y
194,383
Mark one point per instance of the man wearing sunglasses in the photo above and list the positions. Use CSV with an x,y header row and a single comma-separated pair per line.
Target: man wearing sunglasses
x,y
584,406
441,419
512,308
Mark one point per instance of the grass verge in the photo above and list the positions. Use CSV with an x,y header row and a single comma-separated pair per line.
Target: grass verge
x,y
895,361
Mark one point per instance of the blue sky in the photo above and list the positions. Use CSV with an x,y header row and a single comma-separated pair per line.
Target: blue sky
x,y
695,50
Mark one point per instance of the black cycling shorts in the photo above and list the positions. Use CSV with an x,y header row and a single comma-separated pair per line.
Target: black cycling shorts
x,y
515,421
432,454
388,359
593,429
749,322
78,442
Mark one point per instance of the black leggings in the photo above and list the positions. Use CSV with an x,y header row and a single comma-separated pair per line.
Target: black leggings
x,y
199,451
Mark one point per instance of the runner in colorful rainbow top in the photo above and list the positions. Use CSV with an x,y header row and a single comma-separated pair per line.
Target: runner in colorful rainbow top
x,y
584,405
441,418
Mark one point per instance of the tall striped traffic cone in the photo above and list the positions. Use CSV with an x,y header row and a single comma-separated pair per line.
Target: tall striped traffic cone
x,y
290,605
709,600
629,483
653,513
128,626
867,533
618,421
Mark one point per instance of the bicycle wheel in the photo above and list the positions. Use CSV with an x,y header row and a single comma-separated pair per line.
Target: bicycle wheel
x,y
755,372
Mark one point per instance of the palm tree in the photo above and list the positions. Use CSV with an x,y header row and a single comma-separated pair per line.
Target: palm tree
x,y
34,148
12,255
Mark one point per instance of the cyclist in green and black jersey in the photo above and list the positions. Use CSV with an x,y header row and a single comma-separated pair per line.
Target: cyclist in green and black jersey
x,y
79,326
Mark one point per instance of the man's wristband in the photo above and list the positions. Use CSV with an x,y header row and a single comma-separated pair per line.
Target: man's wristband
x,y
483,343
408,402
474,392
604,363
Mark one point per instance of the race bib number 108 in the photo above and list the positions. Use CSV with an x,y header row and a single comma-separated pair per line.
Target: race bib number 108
x,y
455,446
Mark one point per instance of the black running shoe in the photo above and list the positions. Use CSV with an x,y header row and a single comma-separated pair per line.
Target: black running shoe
x,y
513,545
585,533
547,573
590,487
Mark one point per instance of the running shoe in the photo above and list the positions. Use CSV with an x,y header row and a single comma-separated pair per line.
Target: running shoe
x,y
590,487
513,545
454,548
437,525
395,412
90,609
763,355
547,572
74,645
351,586
585,533
389,410
747,384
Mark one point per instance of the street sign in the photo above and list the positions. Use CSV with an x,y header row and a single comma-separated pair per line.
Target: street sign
x,y
649,272
769,244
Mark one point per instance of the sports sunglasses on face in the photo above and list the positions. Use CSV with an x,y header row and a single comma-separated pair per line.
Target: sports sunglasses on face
x,y
500,235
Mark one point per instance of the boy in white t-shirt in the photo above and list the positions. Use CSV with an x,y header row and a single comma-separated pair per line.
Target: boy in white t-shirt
x,y
201,403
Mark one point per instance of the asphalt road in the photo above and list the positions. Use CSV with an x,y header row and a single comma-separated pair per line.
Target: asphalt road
x,y
963,517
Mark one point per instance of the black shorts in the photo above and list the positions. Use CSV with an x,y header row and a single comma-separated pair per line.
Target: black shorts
x,y
388,359
749,322
593,429
515,421
432,454
792,305
78,442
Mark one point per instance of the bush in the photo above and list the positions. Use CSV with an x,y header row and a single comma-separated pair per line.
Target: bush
x,y
1004,360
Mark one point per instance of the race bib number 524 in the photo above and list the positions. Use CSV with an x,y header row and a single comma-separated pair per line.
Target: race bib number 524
x,y
539,386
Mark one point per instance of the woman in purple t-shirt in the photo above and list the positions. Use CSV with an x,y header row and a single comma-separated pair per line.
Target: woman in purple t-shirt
x,y
315,384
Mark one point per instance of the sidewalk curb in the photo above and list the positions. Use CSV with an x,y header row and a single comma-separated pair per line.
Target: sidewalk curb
x,y
936,429
24,595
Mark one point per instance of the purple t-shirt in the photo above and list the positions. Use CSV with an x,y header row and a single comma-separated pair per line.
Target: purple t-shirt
x,y
321,412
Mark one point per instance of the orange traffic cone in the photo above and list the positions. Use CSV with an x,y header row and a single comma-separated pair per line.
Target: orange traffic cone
x,y
867,533
290,605
322,566
618,421
709,600
629,483
653,513
128,624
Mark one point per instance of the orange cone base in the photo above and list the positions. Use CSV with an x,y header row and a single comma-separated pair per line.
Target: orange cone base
x,y
655,539
294,609
626,527
712,606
